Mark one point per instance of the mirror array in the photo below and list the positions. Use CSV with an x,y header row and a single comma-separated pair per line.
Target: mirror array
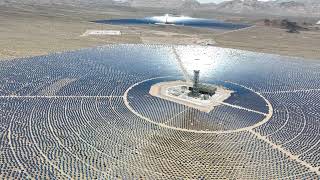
x,y
66,116
169,20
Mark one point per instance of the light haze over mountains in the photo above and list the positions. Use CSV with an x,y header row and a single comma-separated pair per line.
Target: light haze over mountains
x,y
278,7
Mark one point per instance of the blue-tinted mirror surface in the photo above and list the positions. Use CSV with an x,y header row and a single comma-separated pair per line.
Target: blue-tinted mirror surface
x,y
88,114
177,21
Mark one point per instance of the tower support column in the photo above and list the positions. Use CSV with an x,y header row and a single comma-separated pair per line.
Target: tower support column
x,y
195,88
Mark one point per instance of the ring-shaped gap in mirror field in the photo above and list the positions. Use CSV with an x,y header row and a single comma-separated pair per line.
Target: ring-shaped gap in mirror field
x,y
244,110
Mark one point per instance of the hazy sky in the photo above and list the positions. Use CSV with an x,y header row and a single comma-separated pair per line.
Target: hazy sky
x,y
217,1
207,1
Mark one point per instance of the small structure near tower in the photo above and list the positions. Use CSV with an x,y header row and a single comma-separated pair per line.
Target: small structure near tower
x,y
201,96
199,90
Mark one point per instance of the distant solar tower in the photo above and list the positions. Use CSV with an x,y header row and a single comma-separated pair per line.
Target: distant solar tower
x,y
195,88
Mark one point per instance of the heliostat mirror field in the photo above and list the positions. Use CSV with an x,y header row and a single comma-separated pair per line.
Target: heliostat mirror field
x,y
88,114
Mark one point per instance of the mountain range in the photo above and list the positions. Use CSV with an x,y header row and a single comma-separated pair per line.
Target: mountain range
x,y
278,7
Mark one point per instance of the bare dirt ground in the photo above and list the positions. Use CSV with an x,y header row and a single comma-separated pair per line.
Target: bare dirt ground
x,y
273,40
37,30
30,32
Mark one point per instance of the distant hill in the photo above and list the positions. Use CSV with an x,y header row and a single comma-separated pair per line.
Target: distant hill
x,y
278,7
301,1
165,3
66,2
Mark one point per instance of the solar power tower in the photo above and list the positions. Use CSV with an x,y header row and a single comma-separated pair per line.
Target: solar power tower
x,y
196,89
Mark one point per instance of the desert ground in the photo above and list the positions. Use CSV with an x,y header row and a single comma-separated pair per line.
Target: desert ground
x,y
37,30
